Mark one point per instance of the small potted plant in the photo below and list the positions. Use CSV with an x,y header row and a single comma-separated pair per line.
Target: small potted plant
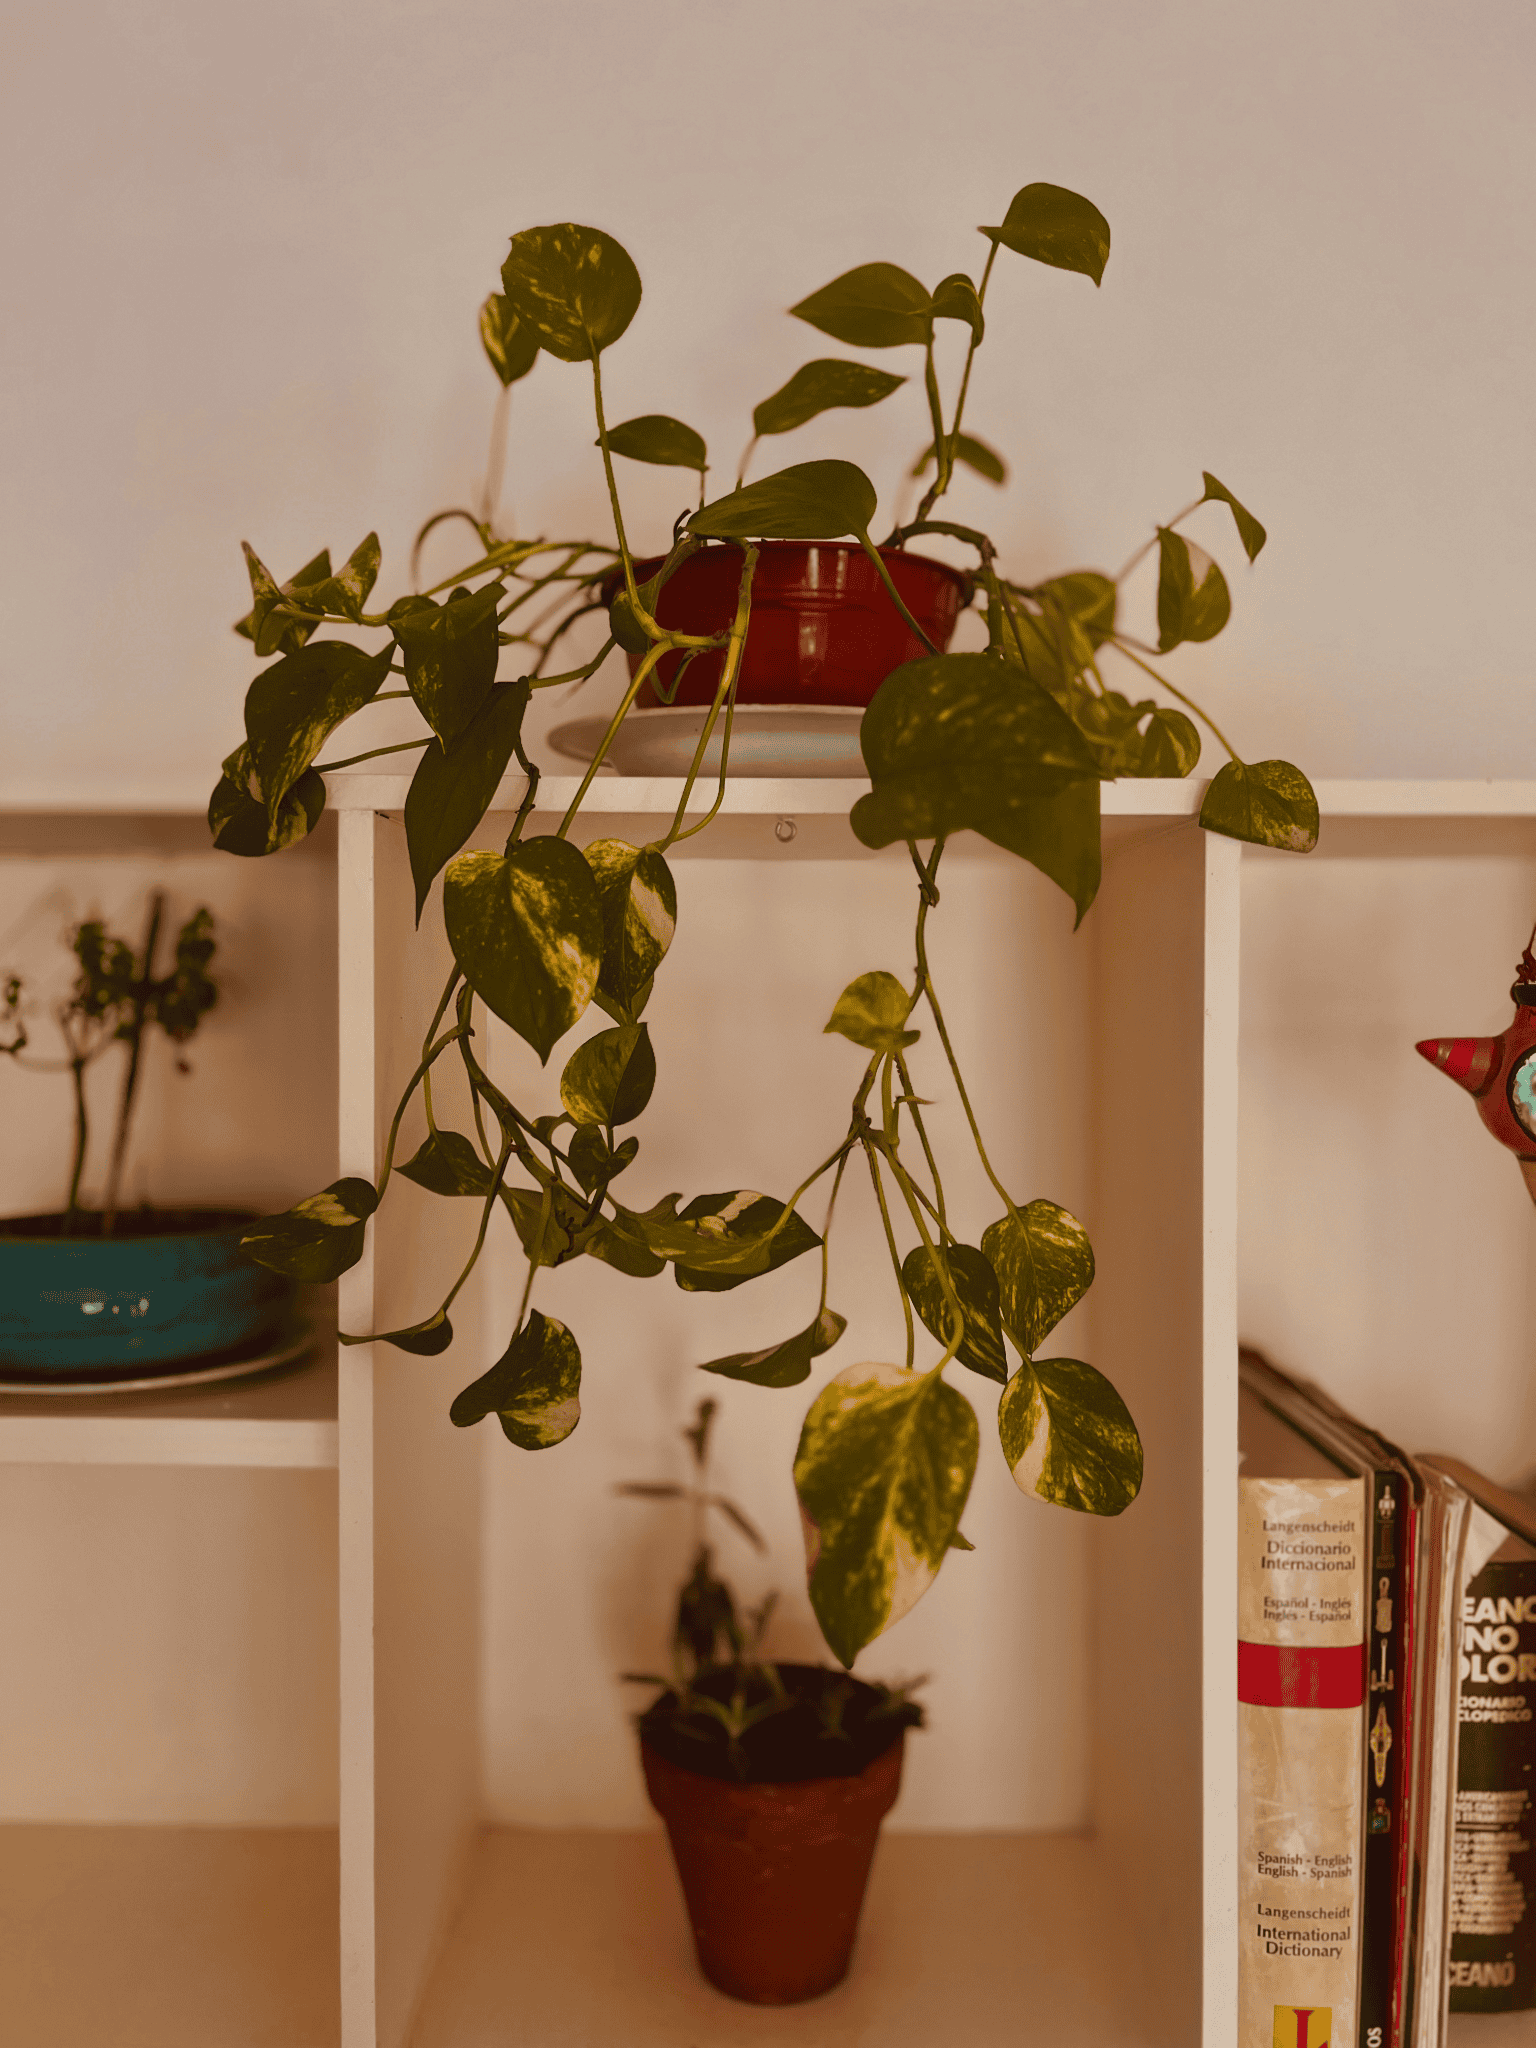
x,y
772,1778
1011,742
107,1293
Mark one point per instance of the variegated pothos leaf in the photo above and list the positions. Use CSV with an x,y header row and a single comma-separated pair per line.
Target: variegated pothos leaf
x,y
1044,1266
884,1467
1069,1438
527,930
639,904
534,1388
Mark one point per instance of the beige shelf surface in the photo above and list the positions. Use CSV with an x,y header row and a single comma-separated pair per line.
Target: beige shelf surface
x,y
578,1940
168,1937
278,1419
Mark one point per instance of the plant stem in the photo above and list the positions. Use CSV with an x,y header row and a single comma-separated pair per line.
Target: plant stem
x,y
138,1022
909,1192
496,458
937,489
925,979
637,682
917,1118
77,1075
1148,545
884,574
529,794
613,489
872,1156
826,1234
1174,691
429,1055
726,694
400,747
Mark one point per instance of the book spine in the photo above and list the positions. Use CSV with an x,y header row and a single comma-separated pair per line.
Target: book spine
x,y
1302,1548
1493,1865
1386,1756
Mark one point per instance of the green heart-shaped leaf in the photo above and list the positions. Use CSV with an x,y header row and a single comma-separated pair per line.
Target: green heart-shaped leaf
x,y
1170,745
1044,1266
964,741
1069,1438
241,824
1249,530
786,1364
319,1238
955,299
975,1285
973,453
1193,601
1088,600
878,305
347,591
1267,803
534,1388
731,1241
277,625
512,348
872,1011
574,287
452,788
608,1080
654,437
293,707
808,501
883,1469
527,930
819,387
1052,225
546,1233
450,652
448,1164
592,1161
639,906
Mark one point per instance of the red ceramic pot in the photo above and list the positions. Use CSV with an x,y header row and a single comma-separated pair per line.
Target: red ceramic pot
x,y
773,1875
823,630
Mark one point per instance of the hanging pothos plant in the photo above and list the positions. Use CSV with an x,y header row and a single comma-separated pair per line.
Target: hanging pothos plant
x,y
1012,743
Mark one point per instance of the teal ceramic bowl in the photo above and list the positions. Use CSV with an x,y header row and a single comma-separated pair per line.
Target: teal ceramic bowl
x,y
168,1290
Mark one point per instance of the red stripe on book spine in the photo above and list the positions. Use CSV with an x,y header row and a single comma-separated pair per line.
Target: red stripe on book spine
x,y
1296,1675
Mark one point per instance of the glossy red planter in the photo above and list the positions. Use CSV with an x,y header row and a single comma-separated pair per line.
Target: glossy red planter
x,y
773,1875
823,629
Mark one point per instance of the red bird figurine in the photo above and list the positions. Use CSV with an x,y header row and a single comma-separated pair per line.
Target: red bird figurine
x,y
1500,1073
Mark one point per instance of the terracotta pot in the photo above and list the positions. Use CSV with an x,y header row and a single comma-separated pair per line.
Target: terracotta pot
x,y
823,629
773,1875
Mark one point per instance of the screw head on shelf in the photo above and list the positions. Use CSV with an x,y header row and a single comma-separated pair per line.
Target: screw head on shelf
x,y
785,830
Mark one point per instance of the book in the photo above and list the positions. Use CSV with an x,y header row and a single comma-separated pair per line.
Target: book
x,y
1301,1682
1394,1722
1492,1961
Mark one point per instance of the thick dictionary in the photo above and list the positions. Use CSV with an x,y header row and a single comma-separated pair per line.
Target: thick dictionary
x,y
1415,1520
1301,1685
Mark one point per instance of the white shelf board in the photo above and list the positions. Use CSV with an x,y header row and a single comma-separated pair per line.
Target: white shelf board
x,y
147,1937
283,1420
759,796
581,1937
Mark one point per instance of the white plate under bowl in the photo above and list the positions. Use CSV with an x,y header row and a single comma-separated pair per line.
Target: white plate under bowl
x,y
766,739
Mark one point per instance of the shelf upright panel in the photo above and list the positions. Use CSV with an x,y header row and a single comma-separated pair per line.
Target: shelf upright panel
x,y
354,1408
1163,1073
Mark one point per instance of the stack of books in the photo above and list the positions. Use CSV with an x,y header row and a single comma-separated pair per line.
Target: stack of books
x,y
1386,1680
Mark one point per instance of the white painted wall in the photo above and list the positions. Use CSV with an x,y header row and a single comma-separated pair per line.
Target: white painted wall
x,y
243,260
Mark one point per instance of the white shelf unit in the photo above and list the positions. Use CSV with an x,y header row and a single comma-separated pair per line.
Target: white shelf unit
x,y
172,1901
1102,1936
